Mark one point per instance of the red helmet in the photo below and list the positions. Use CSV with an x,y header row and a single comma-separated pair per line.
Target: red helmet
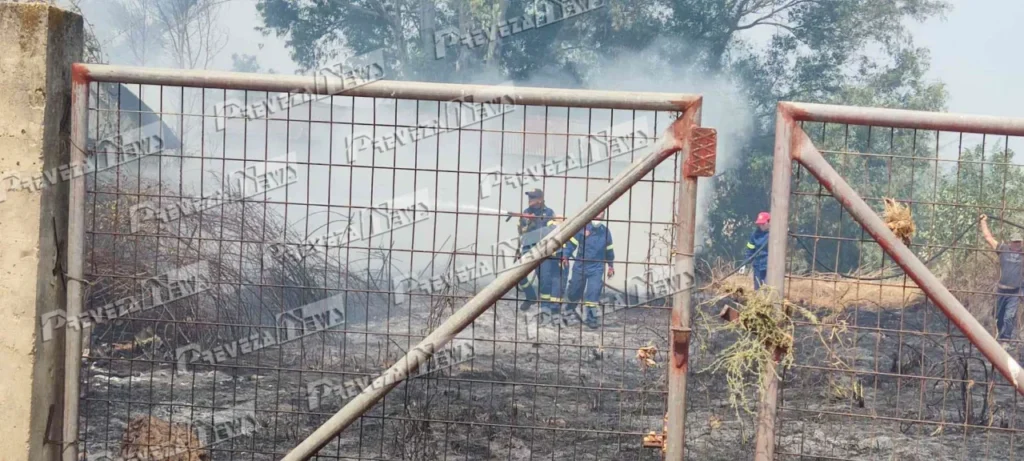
x,y
763,218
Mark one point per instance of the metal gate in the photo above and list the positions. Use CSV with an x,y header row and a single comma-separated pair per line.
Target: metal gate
x,y
898,360
253,251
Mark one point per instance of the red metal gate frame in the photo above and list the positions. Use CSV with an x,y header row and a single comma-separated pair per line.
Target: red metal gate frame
x,y
677,139
793,144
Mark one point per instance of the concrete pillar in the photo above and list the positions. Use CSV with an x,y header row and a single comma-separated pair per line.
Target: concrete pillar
x,y
38,43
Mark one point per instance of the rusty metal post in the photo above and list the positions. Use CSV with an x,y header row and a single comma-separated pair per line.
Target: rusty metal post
x,y
75,252
805,153
782,171
679,326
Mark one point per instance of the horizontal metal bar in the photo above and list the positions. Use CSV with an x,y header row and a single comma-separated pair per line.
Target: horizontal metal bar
x,y
325,84
898,118
958,427
908,377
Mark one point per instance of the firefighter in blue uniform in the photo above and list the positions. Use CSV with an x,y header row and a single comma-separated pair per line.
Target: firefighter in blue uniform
x,y
758,244
552,272
591,250
535,218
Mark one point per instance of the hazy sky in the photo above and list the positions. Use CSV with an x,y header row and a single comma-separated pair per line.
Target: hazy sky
x,y
244,39
975,50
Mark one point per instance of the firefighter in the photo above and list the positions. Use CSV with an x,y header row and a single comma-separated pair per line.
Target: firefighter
x,y
591,250
552,272
534,218
758,244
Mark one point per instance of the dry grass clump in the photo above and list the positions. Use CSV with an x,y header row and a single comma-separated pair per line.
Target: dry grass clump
x,y
654,440
765,334
765,339
645,355
899,219
148,438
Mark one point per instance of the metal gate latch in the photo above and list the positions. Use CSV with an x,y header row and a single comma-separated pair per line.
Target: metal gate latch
x,y
703,150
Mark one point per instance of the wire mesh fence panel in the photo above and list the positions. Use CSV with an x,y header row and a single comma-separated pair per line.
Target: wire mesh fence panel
x,y
879,371
255,259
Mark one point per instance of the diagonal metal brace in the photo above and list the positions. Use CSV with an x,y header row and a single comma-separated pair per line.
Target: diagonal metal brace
x,y
669,144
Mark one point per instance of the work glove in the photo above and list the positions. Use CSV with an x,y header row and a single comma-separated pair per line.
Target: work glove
x,y
565,262
611,272
743,270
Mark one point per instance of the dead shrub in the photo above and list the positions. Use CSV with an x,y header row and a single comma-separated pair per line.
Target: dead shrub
x,y
249,286
898,218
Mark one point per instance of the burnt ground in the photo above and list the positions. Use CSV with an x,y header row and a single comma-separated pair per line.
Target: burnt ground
x,y
573,393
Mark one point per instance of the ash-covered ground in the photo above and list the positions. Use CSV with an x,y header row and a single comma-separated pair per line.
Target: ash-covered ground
x,y
574,393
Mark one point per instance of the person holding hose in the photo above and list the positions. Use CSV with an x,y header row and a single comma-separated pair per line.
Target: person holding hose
x,y
534,218
591,249
1011,276
758,245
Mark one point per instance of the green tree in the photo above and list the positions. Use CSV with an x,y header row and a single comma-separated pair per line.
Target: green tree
x,y
323,31
896,80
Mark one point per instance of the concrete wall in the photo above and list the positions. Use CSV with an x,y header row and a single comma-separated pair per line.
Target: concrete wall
x,y
38,43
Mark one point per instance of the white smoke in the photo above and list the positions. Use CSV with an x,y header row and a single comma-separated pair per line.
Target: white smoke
x,y
725,107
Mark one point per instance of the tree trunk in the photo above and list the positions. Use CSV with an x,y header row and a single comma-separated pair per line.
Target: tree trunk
x,y
464,27
428,24
716,54
492,47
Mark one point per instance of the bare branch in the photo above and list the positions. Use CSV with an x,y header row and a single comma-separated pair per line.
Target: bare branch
x,y
763,20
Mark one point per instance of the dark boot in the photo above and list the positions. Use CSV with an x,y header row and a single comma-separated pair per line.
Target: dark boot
x,y
591,320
